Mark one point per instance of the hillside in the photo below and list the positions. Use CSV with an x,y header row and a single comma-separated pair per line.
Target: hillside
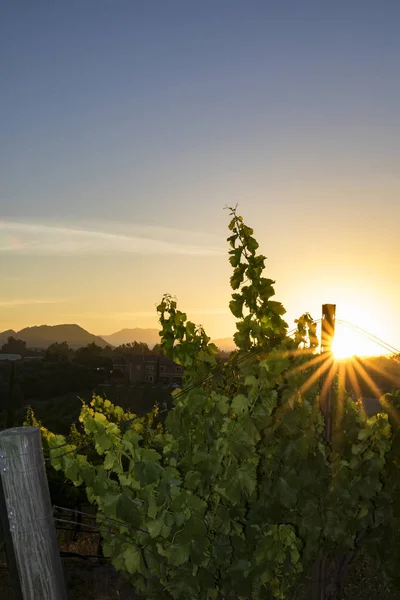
x,y
4,335
127,336
225,344
42,336
151,338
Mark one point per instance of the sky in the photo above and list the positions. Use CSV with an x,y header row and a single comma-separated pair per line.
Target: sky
x,y
127,126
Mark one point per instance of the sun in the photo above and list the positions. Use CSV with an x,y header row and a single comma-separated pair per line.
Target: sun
x,y
348,343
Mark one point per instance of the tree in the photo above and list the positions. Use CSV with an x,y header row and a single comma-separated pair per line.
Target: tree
x,y
240,495
157,349
14,346
59,352
93,356
132,349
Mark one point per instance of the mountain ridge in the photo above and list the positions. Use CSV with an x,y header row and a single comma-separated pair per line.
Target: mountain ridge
x,y
149,336
42,336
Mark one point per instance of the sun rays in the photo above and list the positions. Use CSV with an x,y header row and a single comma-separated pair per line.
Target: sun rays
x,y
346,372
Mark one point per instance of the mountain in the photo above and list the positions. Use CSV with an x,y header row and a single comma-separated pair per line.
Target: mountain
x,y
225,344
4,335
127,336
151,338
43,335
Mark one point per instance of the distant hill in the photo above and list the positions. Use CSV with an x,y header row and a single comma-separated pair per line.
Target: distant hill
x,y
151,338
4,335
127,336
225,344
42,336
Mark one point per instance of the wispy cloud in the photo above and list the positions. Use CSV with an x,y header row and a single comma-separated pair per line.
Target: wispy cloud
x,y
34,301
12,278
44,239
132,316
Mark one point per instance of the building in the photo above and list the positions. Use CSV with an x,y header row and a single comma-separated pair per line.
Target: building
x,y
149,368
10,357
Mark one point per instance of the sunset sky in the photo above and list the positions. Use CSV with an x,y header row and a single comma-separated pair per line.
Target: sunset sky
x,y
126,126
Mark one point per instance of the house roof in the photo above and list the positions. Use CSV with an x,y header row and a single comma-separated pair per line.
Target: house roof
x,y
10,356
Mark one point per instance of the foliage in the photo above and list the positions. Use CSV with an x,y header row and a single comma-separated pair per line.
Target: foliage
x,y
94,356
240,493
157,349
132,349
14,346
59,352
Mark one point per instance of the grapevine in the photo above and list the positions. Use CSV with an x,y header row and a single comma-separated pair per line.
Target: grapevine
x,y
238,495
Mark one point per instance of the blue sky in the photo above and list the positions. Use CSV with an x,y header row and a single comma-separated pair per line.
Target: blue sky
x,y
127,126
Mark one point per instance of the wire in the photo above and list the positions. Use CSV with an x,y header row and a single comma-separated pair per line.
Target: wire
x,y
368,335
65,554
118,537
81,530
50,458
113,522
91,527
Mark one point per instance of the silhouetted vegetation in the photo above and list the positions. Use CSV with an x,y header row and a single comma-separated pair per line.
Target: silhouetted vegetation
x,y
14,346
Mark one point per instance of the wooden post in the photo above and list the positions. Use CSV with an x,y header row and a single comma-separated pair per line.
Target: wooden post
x,y
321,565
328,326
28,516
327,336
7,539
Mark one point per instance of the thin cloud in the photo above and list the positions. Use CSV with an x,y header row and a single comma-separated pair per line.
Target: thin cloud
x,y
16,278
44,239
34,301
131,316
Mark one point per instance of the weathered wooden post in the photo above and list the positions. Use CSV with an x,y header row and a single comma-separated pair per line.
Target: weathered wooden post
x,y
327,337
28,517
321,565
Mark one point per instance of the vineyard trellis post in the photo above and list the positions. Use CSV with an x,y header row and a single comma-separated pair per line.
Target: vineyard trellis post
x,y
327,337
319,570
27,516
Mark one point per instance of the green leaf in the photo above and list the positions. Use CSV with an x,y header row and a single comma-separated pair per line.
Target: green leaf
x,y
193,480
127,509
110,460
177,554
287,495
357,448
235,257
363,512
152,508
237,277
240,404
72,472
236,306
132,558
150,454
155,527
247,478
103,442
364,434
